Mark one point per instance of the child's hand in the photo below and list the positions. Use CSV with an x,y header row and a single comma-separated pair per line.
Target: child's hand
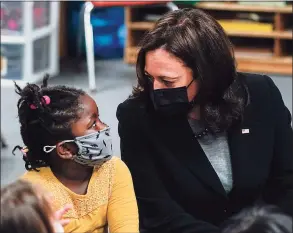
x,y
59,214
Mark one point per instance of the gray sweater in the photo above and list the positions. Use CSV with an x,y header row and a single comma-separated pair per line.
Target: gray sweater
x,y
217,151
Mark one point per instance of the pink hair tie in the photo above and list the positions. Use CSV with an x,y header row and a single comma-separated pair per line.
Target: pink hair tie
x,y
32,106
45,100
24,150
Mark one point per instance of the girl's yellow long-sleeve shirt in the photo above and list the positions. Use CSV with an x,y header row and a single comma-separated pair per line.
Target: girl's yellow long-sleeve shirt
x,y
109,202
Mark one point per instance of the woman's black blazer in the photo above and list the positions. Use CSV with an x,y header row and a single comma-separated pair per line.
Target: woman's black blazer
x,y
176,187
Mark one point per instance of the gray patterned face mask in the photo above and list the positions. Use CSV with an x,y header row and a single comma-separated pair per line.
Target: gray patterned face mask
x,y
93,149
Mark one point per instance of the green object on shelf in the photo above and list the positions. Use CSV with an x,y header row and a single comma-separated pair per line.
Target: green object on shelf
x,y
186,2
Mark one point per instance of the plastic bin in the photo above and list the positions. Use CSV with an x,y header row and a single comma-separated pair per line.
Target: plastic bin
x,y
109,41
29,45
13,54
41,54
41,14
11,18
108,31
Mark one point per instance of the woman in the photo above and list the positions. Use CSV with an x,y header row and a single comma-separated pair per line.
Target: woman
x,y
201,140
26,209
266,219
69,152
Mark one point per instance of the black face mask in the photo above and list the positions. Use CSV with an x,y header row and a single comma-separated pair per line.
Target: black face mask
x,y
171,101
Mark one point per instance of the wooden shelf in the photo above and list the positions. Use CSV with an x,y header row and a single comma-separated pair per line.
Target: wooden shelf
x,y
255,34
260,61
237,7
260,52
253,53
131,55
140,25
274,65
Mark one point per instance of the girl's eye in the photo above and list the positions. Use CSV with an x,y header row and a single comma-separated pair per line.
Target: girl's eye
x,y
98,125
94,124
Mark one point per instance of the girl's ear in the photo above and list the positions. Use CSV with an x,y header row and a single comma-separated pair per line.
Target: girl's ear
x,y
66,150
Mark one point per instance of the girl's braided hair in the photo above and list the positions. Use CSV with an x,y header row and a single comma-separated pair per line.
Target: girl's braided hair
x,y
46,124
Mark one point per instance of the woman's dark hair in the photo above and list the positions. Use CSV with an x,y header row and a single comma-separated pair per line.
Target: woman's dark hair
x,y
47,124
200,42
23,210
266,219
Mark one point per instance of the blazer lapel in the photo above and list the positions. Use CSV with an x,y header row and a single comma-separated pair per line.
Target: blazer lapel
x,y
244,141
178,135
238,138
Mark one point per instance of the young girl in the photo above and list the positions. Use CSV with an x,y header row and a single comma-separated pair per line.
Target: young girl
x,y
25,210
69,152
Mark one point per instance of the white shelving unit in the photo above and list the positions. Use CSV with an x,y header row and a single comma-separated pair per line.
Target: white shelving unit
x,y
29,40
